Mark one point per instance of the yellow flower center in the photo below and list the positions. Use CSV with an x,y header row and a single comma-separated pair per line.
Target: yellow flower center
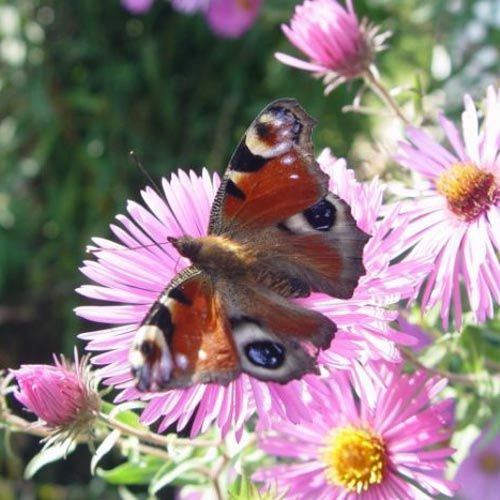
x,y
490,463
468,190
354,458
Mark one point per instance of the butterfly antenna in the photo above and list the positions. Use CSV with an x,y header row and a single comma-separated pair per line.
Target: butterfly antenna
x,y
177,264
140,166
155,186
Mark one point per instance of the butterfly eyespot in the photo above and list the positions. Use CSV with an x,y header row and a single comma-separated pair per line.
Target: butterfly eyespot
x,y
321,216
266,354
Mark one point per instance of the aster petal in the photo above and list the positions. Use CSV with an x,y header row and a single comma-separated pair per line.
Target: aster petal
x,y
491,140
112,314
470,127
299,63
114,295
493,216
433,150
453,136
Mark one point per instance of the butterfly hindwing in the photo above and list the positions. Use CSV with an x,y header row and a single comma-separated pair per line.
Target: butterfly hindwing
x,y
324,247
276,340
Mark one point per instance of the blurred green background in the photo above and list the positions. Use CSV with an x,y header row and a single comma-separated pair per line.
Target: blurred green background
x,y
83,82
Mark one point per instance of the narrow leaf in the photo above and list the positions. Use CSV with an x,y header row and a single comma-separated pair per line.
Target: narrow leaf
x,y
47,456
107,444
133,473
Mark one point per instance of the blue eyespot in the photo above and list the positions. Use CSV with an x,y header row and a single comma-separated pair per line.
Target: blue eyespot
x,y
321,216
266,354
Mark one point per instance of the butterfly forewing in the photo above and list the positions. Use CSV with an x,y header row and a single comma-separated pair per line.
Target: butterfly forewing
x,y
272,174
194,345
274,198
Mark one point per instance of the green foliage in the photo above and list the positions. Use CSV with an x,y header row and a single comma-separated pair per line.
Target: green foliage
x,y
133,473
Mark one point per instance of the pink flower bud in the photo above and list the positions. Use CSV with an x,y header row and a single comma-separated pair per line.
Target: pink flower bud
x,y
339,47
60,395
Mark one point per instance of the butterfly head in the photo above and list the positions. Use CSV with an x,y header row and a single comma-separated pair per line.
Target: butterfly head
x,y
186,246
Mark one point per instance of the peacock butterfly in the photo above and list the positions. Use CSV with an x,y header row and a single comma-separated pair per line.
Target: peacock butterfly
x,y
275,233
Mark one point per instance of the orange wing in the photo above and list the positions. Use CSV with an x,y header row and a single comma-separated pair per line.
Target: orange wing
x,y
272,175
274,199
188,337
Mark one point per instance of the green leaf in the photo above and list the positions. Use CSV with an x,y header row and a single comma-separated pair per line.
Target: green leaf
x,y
141,472
47,456
109,441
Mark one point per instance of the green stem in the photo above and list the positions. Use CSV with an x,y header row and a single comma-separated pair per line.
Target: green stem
x,y
378,88
467,379
156,439
18,424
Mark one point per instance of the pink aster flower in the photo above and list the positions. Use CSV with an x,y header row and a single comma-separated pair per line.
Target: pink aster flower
x,y
352,449
226,18
338,46
137,6
478,476
131,274
457,220
63,396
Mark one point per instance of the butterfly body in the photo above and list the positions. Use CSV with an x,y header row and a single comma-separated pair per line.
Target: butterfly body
x,y
216,255
275,233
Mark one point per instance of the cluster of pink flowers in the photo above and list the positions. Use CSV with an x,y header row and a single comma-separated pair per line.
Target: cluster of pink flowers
x,y
365,341
137,277
456,221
